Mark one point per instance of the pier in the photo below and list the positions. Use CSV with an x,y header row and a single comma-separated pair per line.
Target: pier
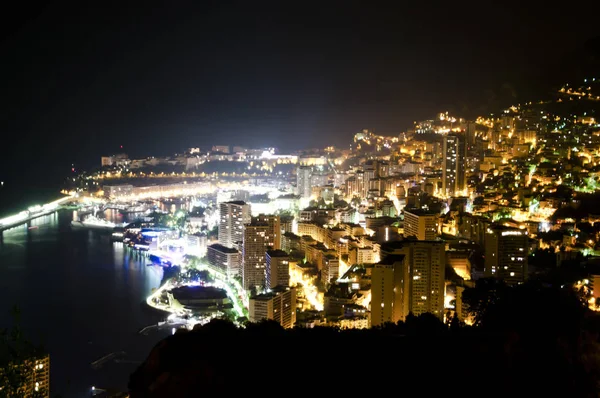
x,y
113,355
33,212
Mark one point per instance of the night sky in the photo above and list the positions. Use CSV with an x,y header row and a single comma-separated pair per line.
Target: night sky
x,y
78,80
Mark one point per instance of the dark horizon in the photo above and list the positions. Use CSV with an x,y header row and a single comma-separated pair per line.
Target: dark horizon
x,y
81,80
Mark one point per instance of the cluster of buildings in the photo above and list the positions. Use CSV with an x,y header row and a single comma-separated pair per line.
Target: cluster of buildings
x,y
403,224
262,159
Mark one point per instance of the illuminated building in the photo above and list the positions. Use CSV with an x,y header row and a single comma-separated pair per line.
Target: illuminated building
x,y
278,305
290,241
35,376
258,238
356,322
361,255
362,182
277,269
194,224
224,258
253,255
473,227
331,269
274,223
594,285
170,190
453,168
421,224
106,161
347,216
506,252
313,230
287,224
303,181
233,216
339,179
460,263
389,293
338,297
351,187
120,159
196,244
426,262
388,209
220,148
116,191
527,136
318,180
308,214
326,192
308,160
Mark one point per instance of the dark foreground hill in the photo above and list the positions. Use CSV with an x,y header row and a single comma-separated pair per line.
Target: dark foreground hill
x,y
420,358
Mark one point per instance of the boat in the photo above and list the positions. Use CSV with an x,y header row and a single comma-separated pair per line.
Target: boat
x,y
118,234
141,208
94,223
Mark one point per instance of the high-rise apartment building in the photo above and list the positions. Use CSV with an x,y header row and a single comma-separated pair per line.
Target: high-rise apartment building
x,y
506,252
389,300
224,258
277,268
303,181
421,224
274,223
33,378
254,255
233,215
425,263
278,305
331,269
259,237
453,171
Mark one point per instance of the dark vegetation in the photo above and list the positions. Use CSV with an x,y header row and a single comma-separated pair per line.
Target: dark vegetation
x,y
530,340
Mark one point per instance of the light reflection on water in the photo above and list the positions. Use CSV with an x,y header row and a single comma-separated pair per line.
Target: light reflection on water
x,y
82,295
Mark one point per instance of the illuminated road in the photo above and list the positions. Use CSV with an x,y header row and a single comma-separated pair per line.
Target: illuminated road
x,y
153,300
232,287
220,281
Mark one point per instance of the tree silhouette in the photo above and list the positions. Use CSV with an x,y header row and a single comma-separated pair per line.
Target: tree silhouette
x,y
479,299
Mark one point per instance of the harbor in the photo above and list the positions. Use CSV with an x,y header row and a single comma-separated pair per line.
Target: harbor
x,y
93,276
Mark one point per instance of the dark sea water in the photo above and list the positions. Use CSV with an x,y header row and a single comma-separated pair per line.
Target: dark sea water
x,y
23,187
82,296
